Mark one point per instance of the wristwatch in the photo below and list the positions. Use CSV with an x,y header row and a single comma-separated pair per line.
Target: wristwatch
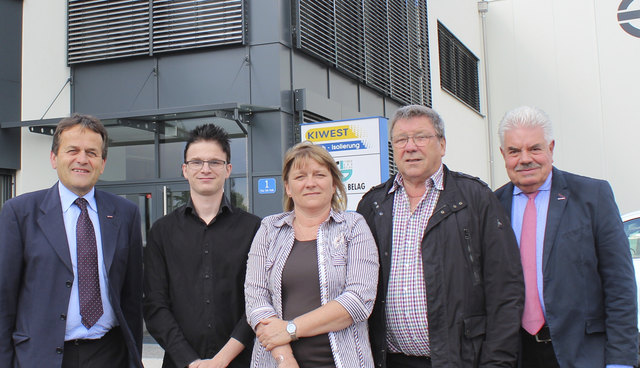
x,y
291,329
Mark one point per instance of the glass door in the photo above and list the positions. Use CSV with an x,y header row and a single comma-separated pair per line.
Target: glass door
x,y
154,200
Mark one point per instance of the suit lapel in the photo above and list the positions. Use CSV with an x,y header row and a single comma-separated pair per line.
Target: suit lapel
x,y
558,199
109,225
506,198
51,223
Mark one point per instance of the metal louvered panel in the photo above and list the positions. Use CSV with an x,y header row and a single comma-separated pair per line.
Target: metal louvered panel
x,y
393,169
196,23
419,55
377,45
316,29
458,69
107,29
399,53
381,43
349,36
100,30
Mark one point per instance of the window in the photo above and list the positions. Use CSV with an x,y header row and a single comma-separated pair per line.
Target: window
x,y
147,148
101,30
632,229
458,69
382,44
6,186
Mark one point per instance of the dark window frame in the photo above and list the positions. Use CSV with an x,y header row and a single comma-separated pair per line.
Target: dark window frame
x,y
7,185
459,69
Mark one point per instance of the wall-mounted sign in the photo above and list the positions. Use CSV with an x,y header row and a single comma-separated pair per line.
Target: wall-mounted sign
x,y
360,149
629,19
266,186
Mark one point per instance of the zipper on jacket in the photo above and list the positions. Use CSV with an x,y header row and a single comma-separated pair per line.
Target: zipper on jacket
x,y
474,269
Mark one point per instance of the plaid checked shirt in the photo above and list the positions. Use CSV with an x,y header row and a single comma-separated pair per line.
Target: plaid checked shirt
x,y
407,323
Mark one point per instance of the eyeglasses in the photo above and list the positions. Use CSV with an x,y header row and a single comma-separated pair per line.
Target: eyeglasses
x,y
198,164
419,140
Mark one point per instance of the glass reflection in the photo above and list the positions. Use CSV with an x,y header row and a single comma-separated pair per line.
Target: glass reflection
x,y
239,193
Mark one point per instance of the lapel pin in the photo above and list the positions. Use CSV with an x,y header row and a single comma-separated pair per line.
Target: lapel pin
x,y
561,197
109,216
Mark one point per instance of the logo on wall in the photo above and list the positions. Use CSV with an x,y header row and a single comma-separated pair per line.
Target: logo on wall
x,y
346,168
346,137
629,19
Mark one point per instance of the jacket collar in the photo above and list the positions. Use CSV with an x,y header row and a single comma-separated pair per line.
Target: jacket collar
x,y
51,223
558,198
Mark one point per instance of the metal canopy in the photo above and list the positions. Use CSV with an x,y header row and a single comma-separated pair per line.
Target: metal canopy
x,y
172,122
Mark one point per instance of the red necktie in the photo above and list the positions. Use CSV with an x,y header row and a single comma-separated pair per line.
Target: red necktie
x,y
88,281
532,317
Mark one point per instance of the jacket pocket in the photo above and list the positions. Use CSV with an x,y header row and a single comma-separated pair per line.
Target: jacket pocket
x,y
594,326
19,338
474,326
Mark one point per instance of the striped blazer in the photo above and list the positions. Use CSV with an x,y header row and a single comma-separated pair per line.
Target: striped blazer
x,y
348,274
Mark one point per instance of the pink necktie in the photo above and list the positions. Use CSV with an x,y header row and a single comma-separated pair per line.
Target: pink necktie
x,y
532,317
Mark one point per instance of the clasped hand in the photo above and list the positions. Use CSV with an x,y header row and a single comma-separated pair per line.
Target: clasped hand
x,y
272,332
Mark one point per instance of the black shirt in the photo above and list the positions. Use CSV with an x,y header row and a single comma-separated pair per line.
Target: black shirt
x,y
194,283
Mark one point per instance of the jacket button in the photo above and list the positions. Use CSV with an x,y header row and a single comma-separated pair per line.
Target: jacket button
x,y
442,212
68,283
63,317
59,350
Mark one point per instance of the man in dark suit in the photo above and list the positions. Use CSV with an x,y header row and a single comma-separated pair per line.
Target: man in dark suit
x,y
580,305
71,264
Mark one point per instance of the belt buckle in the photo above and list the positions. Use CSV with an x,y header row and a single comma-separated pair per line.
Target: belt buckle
x,y
544,335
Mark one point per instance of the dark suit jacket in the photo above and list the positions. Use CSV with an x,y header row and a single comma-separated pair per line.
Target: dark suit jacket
x,y
36,276
589,283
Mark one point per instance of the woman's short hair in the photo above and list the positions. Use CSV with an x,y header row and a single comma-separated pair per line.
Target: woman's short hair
x,y
296,157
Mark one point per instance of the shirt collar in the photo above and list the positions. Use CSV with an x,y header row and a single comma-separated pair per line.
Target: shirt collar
x,y
546,186
225,204
289,216
67,197
437,180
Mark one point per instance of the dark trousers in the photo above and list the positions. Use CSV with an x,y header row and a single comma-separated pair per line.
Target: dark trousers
x,y
107,352
537,354
407,361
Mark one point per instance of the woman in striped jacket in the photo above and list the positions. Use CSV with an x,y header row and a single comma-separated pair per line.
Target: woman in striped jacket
x,y
312,272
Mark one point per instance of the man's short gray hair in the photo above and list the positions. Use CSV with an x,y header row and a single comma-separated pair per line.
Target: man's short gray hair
x,y
412,111
525,117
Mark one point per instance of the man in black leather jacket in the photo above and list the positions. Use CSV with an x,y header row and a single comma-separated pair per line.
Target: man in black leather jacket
x,y
451,289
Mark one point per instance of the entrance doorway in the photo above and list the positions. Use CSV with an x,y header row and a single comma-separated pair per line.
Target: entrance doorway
x,y
153,199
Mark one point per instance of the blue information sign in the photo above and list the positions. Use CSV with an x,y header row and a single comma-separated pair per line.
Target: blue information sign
x,y
266,186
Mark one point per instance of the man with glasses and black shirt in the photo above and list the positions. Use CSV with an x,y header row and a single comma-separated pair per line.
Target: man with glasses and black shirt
x,y
450,291
195,263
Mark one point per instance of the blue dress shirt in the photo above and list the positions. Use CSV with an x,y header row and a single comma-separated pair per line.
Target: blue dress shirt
x,y
70,212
